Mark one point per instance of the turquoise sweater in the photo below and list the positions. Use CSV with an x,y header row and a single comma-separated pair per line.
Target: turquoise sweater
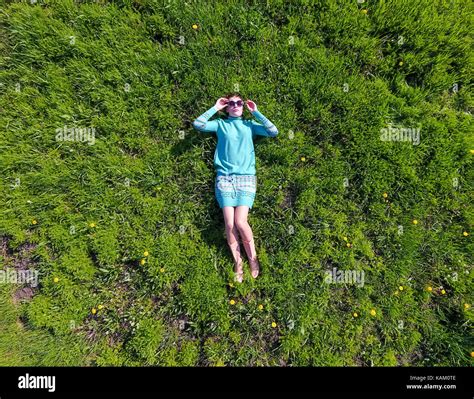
x,y
235,153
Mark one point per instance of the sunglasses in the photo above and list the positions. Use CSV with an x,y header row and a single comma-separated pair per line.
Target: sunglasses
x,y
238,103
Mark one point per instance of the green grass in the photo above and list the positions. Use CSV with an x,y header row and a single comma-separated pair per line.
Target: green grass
x,y
330,77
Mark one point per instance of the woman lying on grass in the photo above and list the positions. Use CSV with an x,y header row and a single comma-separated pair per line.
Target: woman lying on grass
x,y
234,161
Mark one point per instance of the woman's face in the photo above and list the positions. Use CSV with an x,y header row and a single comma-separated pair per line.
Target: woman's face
x,y
233,109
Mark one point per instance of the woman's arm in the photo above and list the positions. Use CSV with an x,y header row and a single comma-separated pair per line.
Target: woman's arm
x,y
202,122
265,128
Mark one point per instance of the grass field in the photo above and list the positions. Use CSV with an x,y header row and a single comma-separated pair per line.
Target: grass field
x,y
125,234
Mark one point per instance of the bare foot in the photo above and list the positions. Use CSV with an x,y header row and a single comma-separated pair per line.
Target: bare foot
x,y
239,271
254,267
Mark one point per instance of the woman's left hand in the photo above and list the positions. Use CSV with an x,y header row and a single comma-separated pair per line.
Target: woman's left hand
x,y
251,106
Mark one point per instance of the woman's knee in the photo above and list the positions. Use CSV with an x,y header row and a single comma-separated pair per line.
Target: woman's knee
x,y
241,223
229,225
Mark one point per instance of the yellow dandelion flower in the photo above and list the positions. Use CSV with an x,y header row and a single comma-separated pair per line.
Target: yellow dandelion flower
x,y
400,288
443,292
348,245
465,234
467,306
344,238
429,289
364,11
415,221
162,270
34,221
56,279
385,195
472,151
195,26
260,307
94,310
274,324
92,225
145,253
472,354
142,262
355,314
373,312
100,307
232,302
400,63
303,159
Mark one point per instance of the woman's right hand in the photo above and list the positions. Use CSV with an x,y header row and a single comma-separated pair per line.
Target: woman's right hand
x,y
221,103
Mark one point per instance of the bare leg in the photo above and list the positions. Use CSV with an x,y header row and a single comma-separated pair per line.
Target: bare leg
x,y
240,220
231,231
232,235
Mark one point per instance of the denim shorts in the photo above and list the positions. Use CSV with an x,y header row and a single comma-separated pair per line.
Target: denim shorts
x,y
236,190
